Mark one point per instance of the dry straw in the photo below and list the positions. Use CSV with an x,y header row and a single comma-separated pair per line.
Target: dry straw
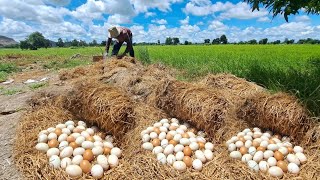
x,y
82,71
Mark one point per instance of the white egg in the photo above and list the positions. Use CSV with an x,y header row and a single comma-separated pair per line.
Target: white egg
x,y
209,146
178,148
177,137
162,158
144,132
78,151
267,154
153,135
98,143
250,134
293,159
65,162
43,147
264,144
293,168
108,144
193,139
53,151
173,133
82,128
66,152
185,141
283,150
147,146
258,156
70,127
174,120
76,160
228,143
268,134
245,131
236,154
180,166
252,150
258,140
240,134
113,160
276,140
109,138
171,159
82,123
264,138
197,165
103,162
75,135
234,139
61,126
51,129
280,145
97,138
232,147
287,144
164,143
201,139
297,149
97,150
239,144
74,170
201,134
90,131
52,136
69,123
194,146
62,137
43,138
150,129
168,150
87,144
164,121
246,158
272,161
273,147
54,161
179,156
85,134
255,129
175,124
302,158
199,155
285,139
183,127
248,144
167,125
263,166
163,129
191,135
275,171
157,150
247,137
158,124
253,165
208,154
116,151
162,135
257,134
97,171
66,131
63,145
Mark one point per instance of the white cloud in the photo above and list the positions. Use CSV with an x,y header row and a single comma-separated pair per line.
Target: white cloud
x,y
15,29
303,18
119,19
264,19
242,11
163,5
185,21
149,14
159,21
205,7
217,26
58,2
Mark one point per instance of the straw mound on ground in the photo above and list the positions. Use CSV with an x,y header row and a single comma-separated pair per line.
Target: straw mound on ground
x,y
102,104
279,112
77,72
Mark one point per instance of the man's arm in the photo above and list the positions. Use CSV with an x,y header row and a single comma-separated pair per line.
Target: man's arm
x,y
108,44
129,45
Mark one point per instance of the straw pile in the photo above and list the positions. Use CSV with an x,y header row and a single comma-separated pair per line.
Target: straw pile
x,y
279,112
82,71
104,105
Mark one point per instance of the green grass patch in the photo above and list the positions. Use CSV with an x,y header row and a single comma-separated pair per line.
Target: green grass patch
x,y
38,85
9,92
6,69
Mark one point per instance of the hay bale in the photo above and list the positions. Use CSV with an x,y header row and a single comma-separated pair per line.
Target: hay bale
x,y
91,70
106,106
280,112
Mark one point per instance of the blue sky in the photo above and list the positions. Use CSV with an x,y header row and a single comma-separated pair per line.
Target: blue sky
x,y
150,20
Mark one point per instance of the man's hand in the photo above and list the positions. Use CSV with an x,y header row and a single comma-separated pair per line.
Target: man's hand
x,y
120,56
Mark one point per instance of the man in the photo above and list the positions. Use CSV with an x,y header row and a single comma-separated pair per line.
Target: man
x,y
121,34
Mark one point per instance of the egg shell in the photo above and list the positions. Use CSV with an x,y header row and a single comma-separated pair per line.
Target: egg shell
x,y
248,144
232,147
65,162
163,129
174,120
245,131
250,134
191,134
272,161
63,145
88,155
70,127
52,136
188,161
85,166
246,137
54,161
273,147
97,150
66,152
62,137
264,138
297,149
283,150
187,151
43,138
167,125
293,159
43,147
168,150
267,154
200,155
263,166
156,142
109,138
234,139
183,127
102,160
97,138
87,145
177,137
74,170
150,129
283,165
162,158
256,129
157,124
208,154
180,166
252,151
278,155
178,147
171,159
147,146
43,132
162,135
192,139
157,150
53,151
98,143
74,135
253,165
275,171
164,143
264,144
108,144
302,158
113,160
194,146
236,154
228,143
257,134
85,134
61,126
239,144
164,121
293,168
97,171
243,150
144,132
78,151
258,156
209,146
153,135
201,139
179,156
241,134
51,129
246,158
53,143
197,164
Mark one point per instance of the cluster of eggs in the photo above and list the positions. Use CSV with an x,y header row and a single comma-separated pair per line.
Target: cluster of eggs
x,y
78,149
177,145
266,152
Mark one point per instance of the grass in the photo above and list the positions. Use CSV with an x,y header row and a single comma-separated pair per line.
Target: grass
x,y
38,85
9,92
6,69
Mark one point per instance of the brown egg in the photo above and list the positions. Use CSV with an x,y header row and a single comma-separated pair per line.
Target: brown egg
x,y
290,149
277,136
283,165
106,150
255,144
85,165
260,148
53,143
70,139
73,145
173,128
77,130
156,142
188,161
201,145
241,138
187,151
193,130
278,155
271,141
90,138
173,142
88,155
169,137
102,135
185,135
157,130
243,150
58,131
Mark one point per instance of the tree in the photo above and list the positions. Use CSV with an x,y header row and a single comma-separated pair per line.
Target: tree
x,y
263,41
103,43
93,43
24,44
47,43
175,41
186,42
60,43
36,40
168,41
216,41
252,41
207,41
223,39
276,42
287,7
74,42
158,42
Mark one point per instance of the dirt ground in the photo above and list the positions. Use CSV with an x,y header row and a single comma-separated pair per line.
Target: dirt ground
x,y
12,107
